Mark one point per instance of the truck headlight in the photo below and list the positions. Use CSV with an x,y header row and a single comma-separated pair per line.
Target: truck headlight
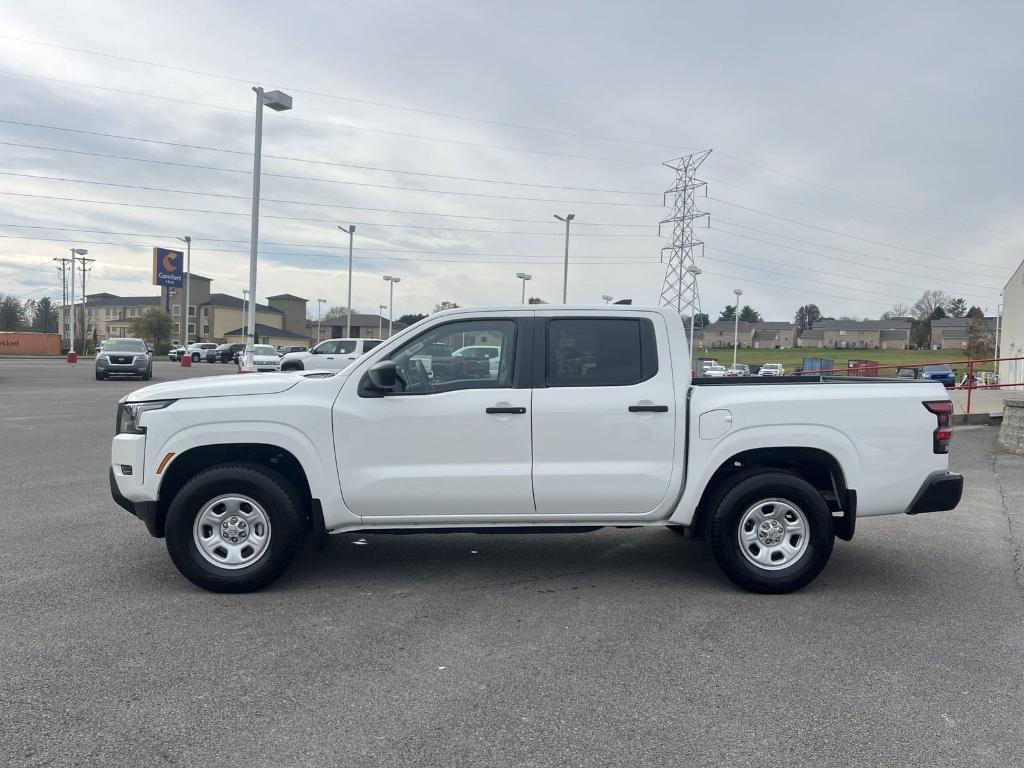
x,y
128,415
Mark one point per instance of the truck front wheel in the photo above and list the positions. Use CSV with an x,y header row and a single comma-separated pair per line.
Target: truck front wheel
x,y
234,527
771,532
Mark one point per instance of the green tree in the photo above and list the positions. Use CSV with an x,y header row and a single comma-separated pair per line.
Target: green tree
x,y
700,321
334,313
806,316
980,339
957,308
410,319
975,312
44,316
12,313
153,325
749,315
938,314
446,305
727,314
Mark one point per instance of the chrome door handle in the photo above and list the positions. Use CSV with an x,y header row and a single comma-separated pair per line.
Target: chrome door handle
x,y
648,409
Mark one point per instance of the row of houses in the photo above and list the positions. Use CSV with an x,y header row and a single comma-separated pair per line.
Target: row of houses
x,y
948,333
218,317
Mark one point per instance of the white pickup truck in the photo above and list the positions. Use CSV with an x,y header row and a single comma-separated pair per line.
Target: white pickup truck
x,y
589,420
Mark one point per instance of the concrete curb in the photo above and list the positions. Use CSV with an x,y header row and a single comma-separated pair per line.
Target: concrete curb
x,y
977,418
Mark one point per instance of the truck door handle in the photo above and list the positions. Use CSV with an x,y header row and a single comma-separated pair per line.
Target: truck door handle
x,y
648,409
506,409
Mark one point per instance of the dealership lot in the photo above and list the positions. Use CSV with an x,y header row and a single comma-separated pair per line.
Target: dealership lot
x,y
621,647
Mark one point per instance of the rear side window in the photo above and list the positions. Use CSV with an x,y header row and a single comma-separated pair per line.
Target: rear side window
x,y
600,352
368,345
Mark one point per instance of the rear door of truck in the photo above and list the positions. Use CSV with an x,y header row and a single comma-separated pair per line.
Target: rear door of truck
x,y
604,412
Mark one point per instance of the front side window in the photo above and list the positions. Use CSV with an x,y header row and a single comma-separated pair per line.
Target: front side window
x,y
595,352
325,348
428,363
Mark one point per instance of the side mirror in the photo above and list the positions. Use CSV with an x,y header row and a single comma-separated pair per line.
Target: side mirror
x,y
383,376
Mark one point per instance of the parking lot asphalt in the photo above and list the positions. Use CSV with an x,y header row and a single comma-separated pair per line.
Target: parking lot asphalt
x,y
614,648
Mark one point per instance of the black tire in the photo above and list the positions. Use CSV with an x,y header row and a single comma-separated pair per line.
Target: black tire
x,y
263,485
100,377
292,367
195,357
147,375
733,503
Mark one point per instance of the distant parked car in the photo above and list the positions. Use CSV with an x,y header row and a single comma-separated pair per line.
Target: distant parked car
x,y
265,358
941,373
282,351
197,351
124,357
737,370
481,361
175,353
334,354
772,369
223,353
714,371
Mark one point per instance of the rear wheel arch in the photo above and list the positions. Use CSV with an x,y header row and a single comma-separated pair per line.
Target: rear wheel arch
x,y
818,467
193,461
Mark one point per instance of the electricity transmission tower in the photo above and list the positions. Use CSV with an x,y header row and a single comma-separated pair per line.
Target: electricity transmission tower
x,y
680,288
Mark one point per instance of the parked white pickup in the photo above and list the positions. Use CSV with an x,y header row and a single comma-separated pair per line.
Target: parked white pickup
x,y
589,419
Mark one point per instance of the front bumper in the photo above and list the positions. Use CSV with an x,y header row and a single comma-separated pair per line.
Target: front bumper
x,y
939,492
146,511
135,368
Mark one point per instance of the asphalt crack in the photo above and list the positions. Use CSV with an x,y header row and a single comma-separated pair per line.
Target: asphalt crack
x,y
1015,549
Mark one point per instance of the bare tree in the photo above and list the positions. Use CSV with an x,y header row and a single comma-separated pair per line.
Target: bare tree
x,y
924,308
899,309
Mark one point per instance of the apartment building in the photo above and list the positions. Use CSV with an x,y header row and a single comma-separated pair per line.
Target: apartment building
x,y
760,335
857,334
952,332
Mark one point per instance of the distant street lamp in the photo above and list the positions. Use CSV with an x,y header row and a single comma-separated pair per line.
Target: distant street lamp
x,y
380,320
72,357
188,282
351,229
279,102
524,277
565,273
391,301
319,306
694,270
607,298
736,327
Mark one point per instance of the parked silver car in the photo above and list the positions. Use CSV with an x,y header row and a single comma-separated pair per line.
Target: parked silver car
x,y
124,357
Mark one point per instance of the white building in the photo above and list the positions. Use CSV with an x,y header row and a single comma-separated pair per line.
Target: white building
x,y
1011,330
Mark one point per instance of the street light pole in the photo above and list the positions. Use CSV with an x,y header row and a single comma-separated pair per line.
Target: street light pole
x,y
348,306
391,301
736,327
565,273
380,320
72,357
188,284
524,277
319,306
694,270
278,102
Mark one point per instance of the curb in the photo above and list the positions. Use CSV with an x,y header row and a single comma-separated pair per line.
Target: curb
x,y
978,418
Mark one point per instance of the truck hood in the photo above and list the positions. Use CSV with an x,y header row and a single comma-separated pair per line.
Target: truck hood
x,y
218,386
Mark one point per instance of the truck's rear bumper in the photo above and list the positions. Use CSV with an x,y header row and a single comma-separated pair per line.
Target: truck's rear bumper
x,y
941,491
146,511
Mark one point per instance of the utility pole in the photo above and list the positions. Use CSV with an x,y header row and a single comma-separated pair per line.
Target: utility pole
x,y
351,229
63,269
736,324
188,283
679,290
565,272
319,305
380,320
84,262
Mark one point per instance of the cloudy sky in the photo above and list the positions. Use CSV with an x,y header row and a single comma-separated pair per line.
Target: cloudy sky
x,y
862,152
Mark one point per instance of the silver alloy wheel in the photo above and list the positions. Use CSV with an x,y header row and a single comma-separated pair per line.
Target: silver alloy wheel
x,y
773,534
232,531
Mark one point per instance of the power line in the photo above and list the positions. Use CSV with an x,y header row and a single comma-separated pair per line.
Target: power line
x,y
852,237
797,290
311,203
839,258
327,123
353,166
306,218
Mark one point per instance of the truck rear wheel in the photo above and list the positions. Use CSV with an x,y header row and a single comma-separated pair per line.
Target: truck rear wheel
x,y
234,527
771,532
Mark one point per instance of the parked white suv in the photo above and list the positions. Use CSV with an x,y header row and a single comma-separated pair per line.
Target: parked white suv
x,y
333,354
772,369
590,420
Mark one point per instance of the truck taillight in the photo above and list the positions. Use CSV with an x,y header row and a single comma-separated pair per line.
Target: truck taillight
x,y
943,410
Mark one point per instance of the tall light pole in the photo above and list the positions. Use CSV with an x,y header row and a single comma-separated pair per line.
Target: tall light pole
x,y
351,229
607,298
380,320
694,270
565,274
188,284
72,357
736,327
391,301
278,102
245,314
319,305
524,277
